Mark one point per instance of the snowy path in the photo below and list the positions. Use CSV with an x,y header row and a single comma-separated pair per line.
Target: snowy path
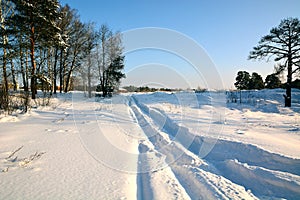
x,y
266,174
135,147
192,172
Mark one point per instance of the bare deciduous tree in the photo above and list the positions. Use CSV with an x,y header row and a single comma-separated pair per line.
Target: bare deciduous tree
x,y
109,55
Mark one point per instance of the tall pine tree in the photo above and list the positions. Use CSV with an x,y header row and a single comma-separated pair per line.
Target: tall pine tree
x,y
37,20
242,80
256,82
283,43
6,12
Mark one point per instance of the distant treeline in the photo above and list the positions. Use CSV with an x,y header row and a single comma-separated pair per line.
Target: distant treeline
x,y
148,89
245,81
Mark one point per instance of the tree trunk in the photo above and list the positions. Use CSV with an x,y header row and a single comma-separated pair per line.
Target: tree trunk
x,y
5,84
13,75
23,72
288,96
4,69
66,89
61,66
49,85
103,86
55,70
24,77
27,71
33,64
33,78
89,76
64,73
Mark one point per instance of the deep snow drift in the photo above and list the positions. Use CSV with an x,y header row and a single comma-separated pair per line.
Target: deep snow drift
x,y
154,146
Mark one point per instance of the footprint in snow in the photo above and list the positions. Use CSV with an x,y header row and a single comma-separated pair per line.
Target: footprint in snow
x,y
58,120
294,129
86,122
62,131
241,132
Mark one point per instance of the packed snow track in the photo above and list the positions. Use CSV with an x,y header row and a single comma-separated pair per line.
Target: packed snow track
x,y
152,146
245,170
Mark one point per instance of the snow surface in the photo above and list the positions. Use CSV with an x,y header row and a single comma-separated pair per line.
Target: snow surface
x,y
153,146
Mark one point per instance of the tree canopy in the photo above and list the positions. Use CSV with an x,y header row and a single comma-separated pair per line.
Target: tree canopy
x,y
242,80
47,47
36,20
272,81
256,82
282,43
246,82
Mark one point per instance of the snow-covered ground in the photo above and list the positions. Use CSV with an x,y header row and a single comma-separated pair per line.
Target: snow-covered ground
x,y
153,146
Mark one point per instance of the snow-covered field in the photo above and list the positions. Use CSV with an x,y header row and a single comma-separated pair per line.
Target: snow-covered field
x,y
153,146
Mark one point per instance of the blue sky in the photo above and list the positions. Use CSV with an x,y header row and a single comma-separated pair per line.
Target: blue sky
x,y
227,30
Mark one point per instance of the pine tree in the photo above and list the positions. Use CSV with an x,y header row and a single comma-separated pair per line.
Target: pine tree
x,y
114,72
65,24
76,51
272,81
283,43
242,80
6,13
256,82
36,19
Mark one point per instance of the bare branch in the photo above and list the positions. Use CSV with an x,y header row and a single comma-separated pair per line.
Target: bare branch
x,y
13,153
32,157
271,48
297,69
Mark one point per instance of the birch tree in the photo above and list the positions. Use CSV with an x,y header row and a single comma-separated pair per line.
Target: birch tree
x,y
109,59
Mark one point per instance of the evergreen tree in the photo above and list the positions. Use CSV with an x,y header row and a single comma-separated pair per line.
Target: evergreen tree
x,y
114,72
109,59
256,82
242,80
36,19
6,13
283,43
272,81
65,24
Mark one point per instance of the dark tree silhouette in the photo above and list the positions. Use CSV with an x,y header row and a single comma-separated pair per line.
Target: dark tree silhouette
x,y
272,81
283,43
256,82
242,80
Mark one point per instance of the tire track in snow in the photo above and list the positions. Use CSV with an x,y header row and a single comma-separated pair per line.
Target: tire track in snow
x,y
245,164
145,191
198,183
194,190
